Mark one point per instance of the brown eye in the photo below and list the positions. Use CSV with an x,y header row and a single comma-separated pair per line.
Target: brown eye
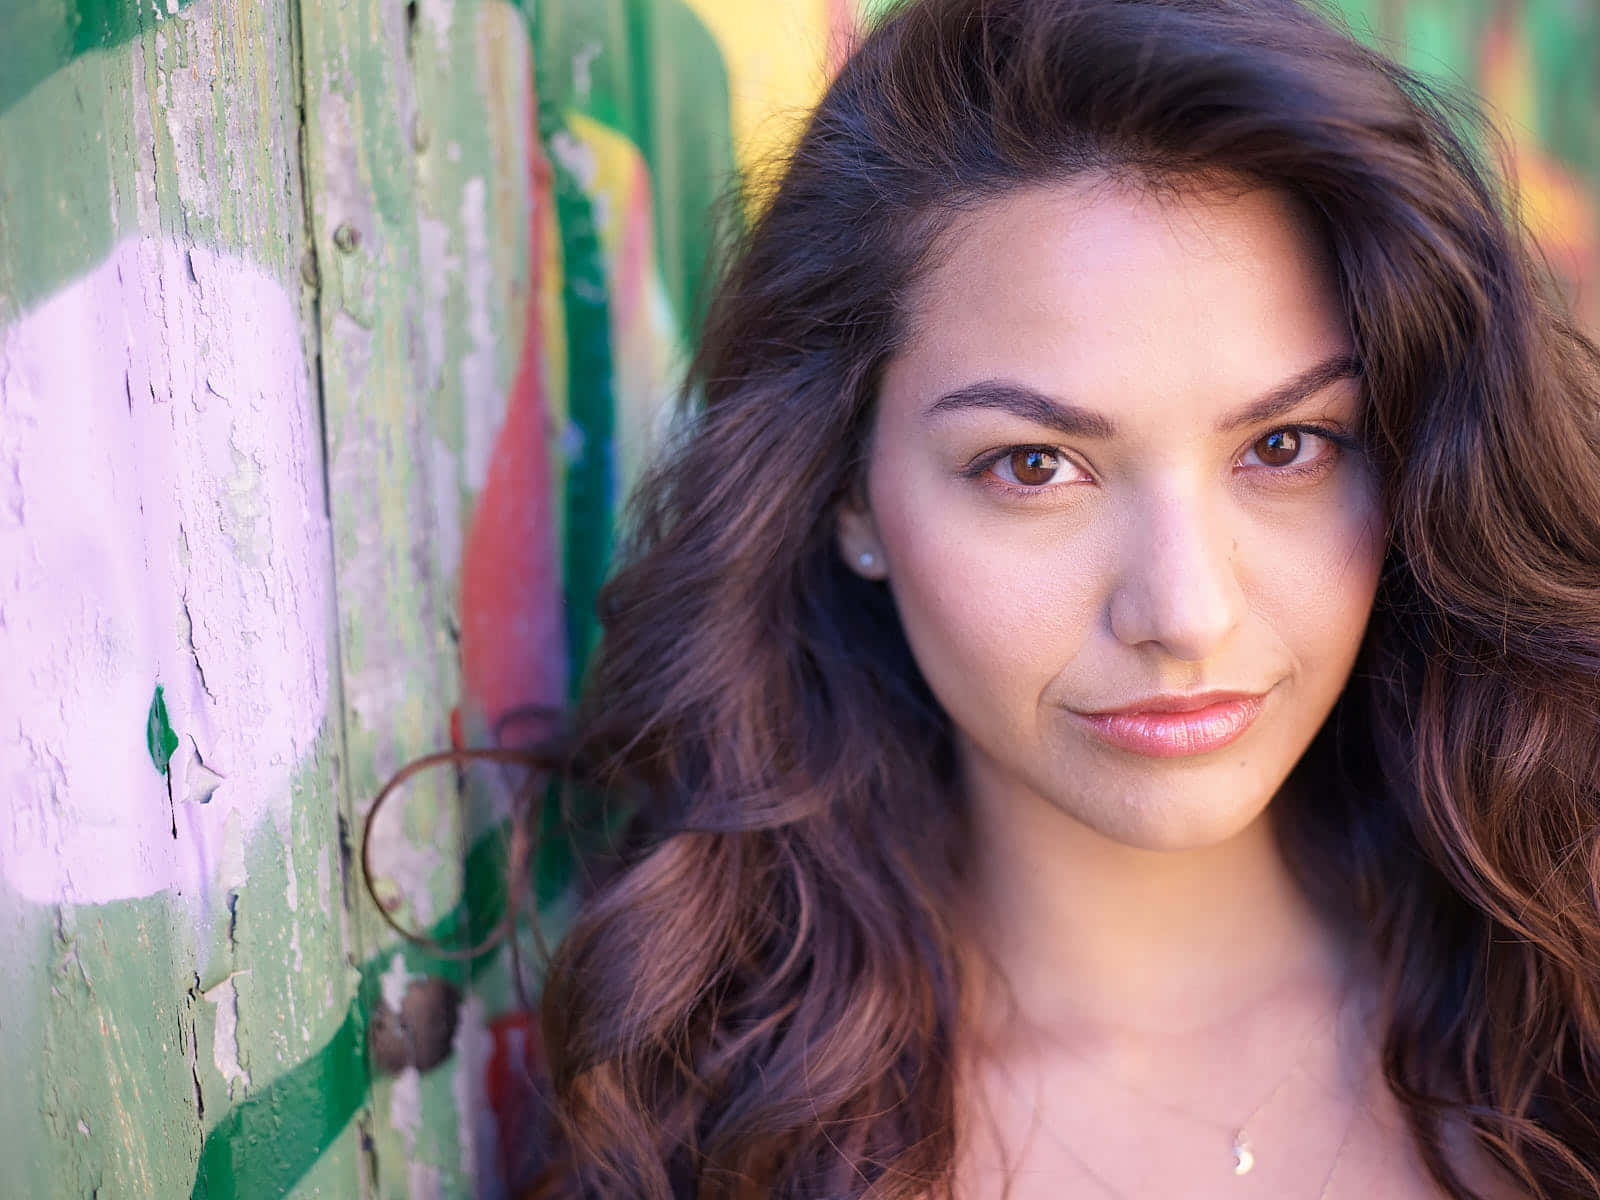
x,y
1279,448
1033,467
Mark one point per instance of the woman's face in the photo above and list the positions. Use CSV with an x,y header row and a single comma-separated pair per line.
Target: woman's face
x,y
1106,478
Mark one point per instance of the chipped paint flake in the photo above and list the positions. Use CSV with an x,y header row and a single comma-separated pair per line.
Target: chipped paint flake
x,y
324,884
472,1050
225,1042
291,896
444,487
439,266
437,15
408,871
423,1182
576,157
405,1107
232,873
393,983
583,71
483,397
200,781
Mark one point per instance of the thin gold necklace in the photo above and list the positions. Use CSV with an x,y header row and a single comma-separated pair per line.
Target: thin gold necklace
x,y
1244,1157
1101,1182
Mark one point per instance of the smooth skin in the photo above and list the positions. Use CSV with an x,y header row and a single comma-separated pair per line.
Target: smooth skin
x,y
1113,461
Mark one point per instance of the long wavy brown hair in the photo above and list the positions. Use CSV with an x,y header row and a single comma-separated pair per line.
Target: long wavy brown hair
x,y
762,997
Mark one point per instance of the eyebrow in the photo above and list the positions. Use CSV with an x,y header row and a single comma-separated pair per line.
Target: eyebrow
x,y
1075,421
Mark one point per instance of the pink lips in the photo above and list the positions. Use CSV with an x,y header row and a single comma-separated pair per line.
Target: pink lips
x,y
1175,726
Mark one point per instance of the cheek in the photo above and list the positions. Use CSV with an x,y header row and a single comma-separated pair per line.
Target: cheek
x,y
992,609
1318,580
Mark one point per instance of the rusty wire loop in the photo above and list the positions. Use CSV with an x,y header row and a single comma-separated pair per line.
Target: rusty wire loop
x,y
520,856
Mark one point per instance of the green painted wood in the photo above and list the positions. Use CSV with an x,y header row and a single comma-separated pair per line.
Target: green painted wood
x,y
1545,102
1565,38
652,71
386,453
591,478
420,235
149,174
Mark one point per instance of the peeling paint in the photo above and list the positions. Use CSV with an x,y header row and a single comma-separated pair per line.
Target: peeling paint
x,y
575,157
582,74
405,870
423,1182
444,480
483,393
437,15
83,827
291,897
225,1042
405,1107
162,521
475,1116
393,984
200,781
291,893
232,872
324,883
439,266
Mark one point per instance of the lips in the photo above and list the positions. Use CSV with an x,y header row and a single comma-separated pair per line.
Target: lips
x,y
1175,726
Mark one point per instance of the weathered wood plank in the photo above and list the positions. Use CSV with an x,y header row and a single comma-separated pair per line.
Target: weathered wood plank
x,y
172,934
421,237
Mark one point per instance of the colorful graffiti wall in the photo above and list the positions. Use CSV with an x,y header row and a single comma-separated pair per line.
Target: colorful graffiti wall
x,y
331,335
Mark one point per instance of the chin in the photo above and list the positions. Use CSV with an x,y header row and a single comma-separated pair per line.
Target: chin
x,y
1175,821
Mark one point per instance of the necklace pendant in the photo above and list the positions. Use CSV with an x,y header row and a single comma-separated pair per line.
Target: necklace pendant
x,y
1243,1159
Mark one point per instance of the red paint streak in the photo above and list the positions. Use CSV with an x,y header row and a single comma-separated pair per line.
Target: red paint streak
x,y
513,651
512,1083
636,254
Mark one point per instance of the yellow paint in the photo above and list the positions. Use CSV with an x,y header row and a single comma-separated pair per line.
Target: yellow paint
x,y
1558,212
775,56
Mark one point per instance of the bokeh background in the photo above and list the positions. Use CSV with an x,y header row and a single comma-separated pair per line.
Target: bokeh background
x,y
330,335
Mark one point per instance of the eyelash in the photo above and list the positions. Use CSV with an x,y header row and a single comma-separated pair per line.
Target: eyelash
x,y
1341,442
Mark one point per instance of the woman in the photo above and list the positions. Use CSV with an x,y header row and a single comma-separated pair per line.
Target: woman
x,y
1106,677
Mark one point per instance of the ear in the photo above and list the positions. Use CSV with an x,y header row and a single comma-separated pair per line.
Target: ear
x,y
858,540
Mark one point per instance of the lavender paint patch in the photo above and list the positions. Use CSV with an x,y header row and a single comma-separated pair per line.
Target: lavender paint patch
x,y
187,544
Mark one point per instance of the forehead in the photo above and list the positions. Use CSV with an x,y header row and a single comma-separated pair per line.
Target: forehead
x,y
1112,289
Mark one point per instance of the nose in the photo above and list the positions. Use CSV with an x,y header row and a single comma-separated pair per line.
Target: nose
x,y
1177,588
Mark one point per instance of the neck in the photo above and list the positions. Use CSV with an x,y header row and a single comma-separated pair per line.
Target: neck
x,y
1105,938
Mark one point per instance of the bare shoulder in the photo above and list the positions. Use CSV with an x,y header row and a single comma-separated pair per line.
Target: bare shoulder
x,y
1384,1160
